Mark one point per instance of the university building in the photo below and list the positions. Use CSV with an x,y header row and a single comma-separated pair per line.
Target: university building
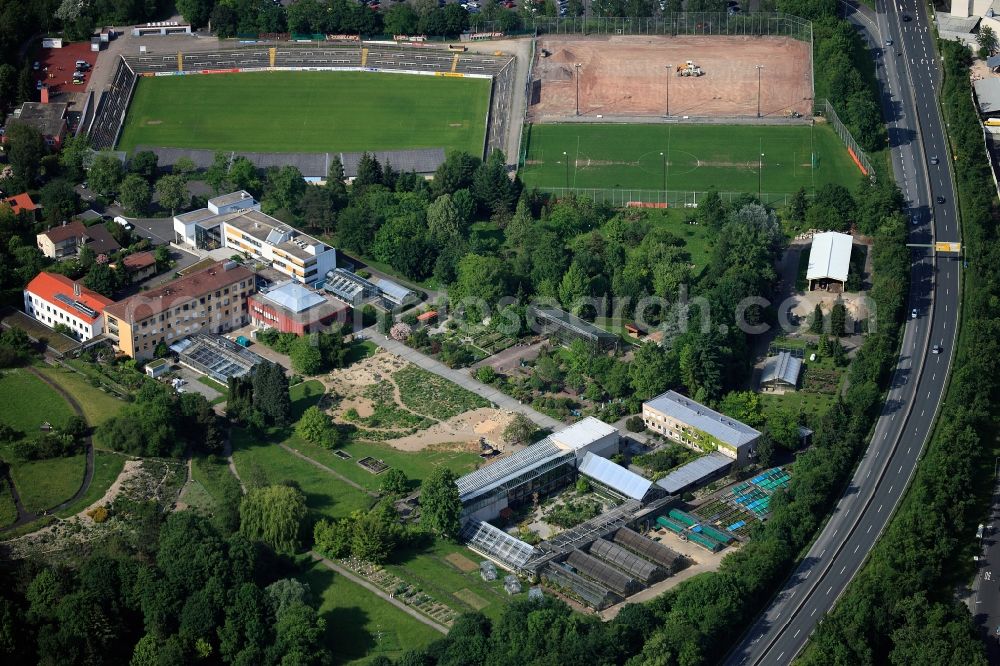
x,y
213,300
55,299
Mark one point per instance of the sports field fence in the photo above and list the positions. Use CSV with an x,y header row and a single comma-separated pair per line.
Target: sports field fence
x,y
859,156
637,198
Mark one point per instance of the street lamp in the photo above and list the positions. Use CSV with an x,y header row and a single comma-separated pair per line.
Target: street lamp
x,y
760,166
663,157
669,73
578,65
566,160
759,67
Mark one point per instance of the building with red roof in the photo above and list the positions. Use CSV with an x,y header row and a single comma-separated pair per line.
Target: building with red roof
x,y
21,202
139,265
55,299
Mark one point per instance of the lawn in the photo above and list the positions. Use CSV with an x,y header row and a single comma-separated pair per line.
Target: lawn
x,y
107,467
42,484
359,625
417,465
698,157
8,511
430,569
97,405
325,494
426,393
309,112
28,401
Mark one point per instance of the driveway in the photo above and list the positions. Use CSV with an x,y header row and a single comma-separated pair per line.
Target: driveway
x,y
462,378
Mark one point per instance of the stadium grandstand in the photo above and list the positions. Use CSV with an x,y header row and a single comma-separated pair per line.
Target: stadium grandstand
x,y
109,119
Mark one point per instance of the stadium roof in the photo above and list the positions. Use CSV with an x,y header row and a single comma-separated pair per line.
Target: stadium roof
x,y
497,544
829,256
615,476
988,95
696,415
690,474
293,296
421,160
583,432
497,473
784,368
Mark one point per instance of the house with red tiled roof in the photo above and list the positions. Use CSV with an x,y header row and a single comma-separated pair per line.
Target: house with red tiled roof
x,y
139,265
55,299
21,202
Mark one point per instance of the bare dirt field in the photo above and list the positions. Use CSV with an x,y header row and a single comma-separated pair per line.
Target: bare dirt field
x,y
628,76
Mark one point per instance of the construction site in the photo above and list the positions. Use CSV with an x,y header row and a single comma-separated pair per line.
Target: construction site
x,y
622,76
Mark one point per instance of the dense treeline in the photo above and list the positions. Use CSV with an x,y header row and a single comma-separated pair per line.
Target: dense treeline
x,y
901,609
172,591
840,61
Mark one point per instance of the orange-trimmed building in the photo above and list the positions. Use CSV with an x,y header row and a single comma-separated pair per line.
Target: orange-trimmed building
x,y
55,299
21,203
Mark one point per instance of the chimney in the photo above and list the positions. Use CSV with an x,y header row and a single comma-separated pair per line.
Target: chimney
x,y
45,94
76,289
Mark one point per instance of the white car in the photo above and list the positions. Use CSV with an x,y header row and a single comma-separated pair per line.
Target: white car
x,y
913,313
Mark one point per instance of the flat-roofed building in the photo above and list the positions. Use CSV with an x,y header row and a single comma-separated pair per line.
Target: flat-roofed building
x,y
696,426
293,308
54,299
48,119
202,228
287,250
213,300
350,287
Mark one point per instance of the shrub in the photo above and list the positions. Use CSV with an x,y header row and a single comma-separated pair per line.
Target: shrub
x,y
635,424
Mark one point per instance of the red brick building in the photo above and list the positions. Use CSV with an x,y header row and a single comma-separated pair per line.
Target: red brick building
x,y
292,308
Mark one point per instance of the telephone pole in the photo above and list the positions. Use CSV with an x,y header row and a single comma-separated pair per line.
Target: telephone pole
x,y
578,65
669,74
759,67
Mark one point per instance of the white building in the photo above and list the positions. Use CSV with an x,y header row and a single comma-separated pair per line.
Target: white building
x,y
235,221
55,299
829,261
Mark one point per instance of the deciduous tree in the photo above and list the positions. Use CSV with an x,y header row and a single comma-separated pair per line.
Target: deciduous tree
x,y
274,515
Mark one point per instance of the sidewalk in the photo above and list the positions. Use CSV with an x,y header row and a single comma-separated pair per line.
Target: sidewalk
x,y
462,378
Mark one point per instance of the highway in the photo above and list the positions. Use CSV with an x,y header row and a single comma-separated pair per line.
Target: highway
x,y
909,79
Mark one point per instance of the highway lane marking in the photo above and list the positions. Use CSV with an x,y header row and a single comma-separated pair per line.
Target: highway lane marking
x,y
813,613
797,632
856,548
879,509
908,450
843,569
828,590
869,530
890,489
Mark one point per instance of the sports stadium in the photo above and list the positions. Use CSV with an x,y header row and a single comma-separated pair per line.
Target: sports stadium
x,y
279,102
627,111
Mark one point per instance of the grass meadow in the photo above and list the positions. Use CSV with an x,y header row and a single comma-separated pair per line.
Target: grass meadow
x,y
308,112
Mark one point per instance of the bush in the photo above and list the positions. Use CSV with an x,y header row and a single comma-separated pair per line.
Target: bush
x,y
635,424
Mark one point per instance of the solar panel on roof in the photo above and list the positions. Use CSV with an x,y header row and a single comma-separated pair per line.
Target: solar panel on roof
x,y
82,307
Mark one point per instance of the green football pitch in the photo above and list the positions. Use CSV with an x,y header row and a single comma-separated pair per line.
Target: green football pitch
x,y
308,112
698,157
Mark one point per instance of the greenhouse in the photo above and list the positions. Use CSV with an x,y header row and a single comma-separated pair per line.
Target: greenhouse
x,y
603,573
643,570
647,548
494,543
593,594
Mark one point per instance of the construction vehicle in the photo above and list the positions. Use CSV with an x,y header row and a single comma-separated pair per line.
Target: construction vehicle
x,y
690,69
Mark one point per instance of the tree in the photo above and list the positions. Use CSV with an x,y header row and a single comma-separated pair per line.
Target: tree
x,y
184,167
135,194
59,200
651,372
743,406
443,220
105,174
195,12
25,150
400,20
816,323
333,539
838,320
441,507
519,430
243,176
285,187
274,515
172,192
103,279
369,173
317,428
394,482
270,393
635,424
987,39
144,164
376,533
306,357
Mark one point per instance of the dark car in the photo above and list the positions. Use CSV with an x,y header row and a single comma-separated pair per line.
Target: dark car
x,y
907,18
939,199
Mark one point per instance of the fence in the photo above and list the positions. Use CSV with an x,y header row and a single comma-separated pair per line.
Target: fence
x,y
680,23
634,198
859,156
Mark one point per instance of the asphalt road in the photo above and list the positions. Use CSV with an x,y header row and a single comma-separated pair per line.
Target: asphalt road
x,y
909,78
985,605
